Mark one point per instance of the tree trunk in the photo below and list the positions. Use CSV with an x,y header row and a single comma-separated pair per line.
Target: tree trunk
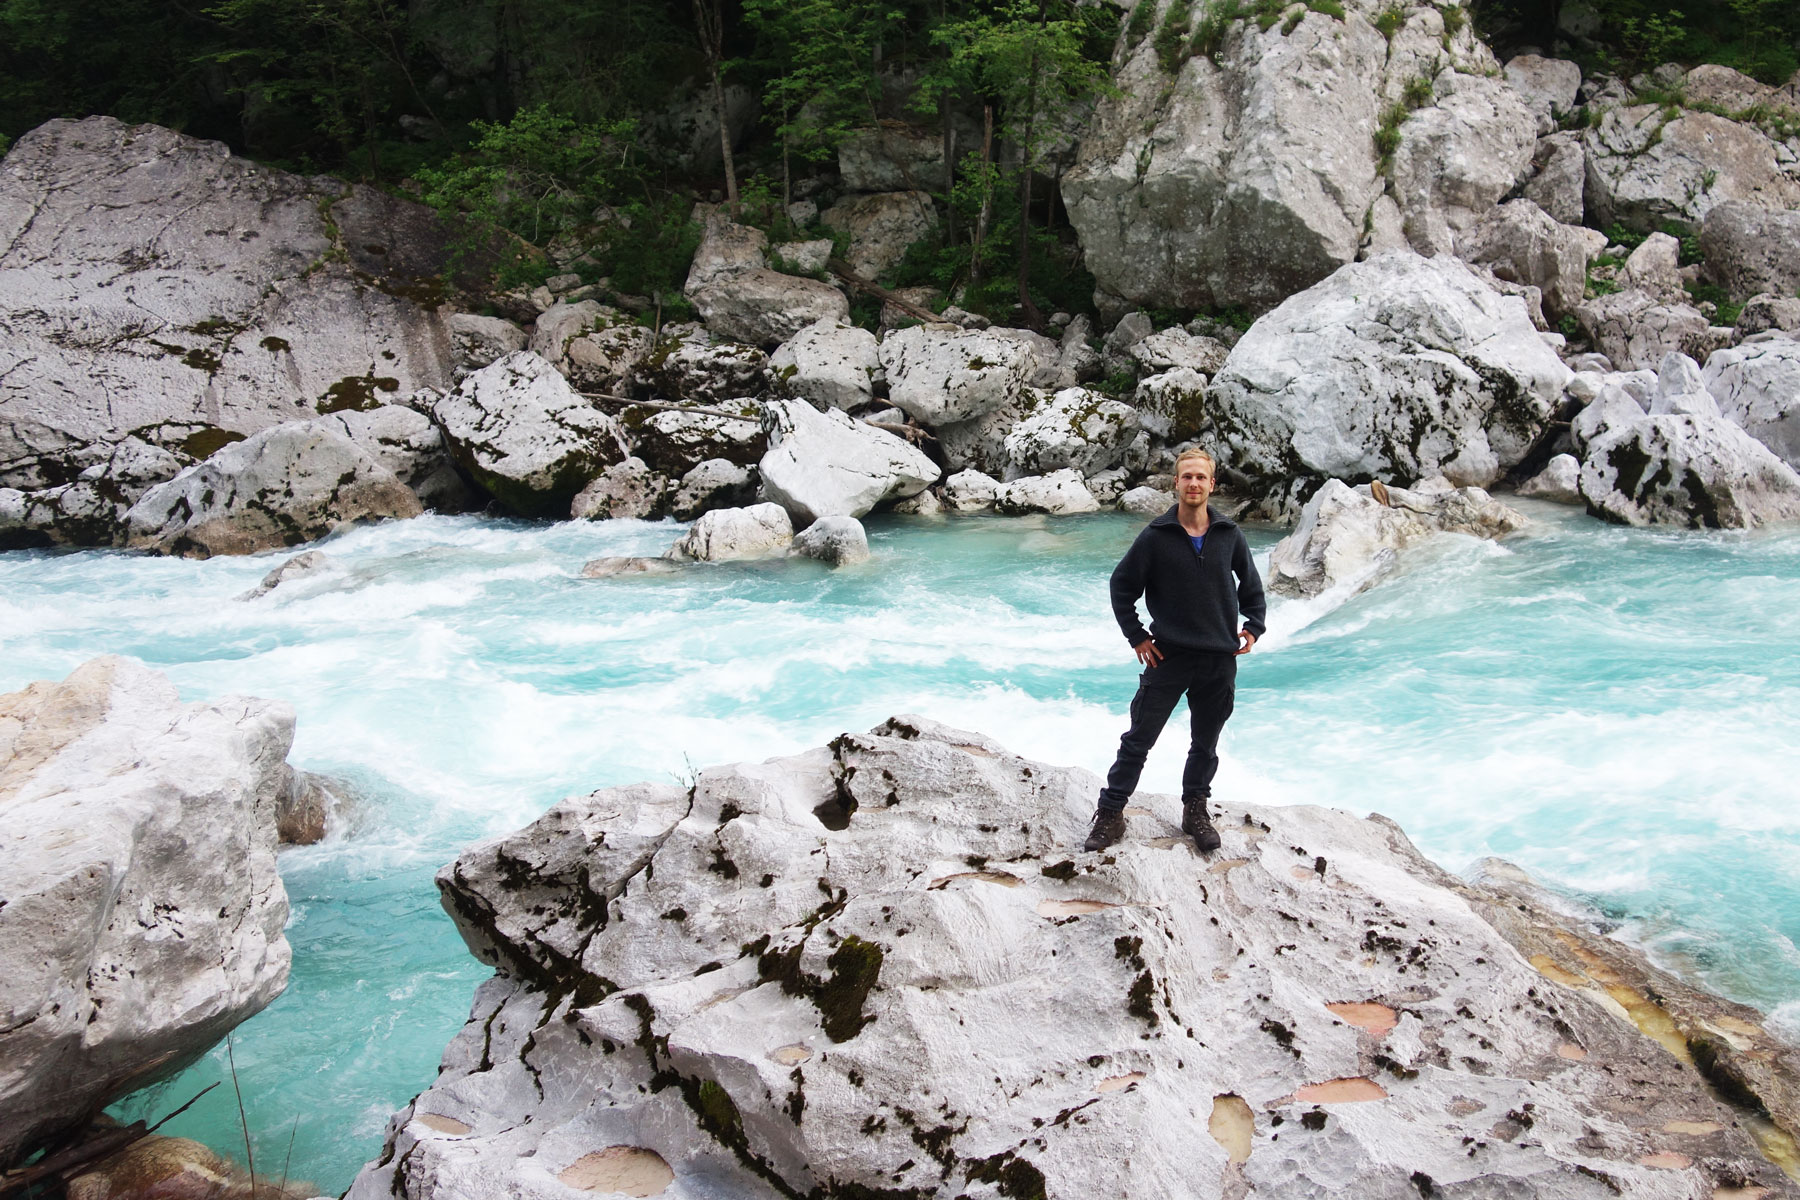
x,y
949,136
709,25
987,192
1033,317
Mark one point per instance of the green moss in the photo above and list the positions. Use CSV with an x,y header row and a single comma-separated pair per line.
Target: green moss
x,y
356,393
1139,999
855,968
1418,92
206,442
716,1110
1389,21
1143,17
1012,1176
1172,36
275,345
201,359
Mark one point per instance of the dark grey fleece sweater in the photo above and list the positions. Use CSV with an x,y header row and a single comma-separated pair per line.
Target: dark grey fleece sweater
x,y
1194,603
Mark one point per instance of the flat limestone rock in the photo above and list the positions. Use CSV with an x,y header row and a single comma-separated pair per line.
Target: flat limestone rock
x,y
883,967
143,914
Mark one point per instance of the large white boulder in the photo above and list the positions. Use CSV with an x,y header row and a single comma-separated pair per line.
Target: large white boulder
x,y
943,375
1757,385
728,534
1677,469
1523,244
831,362
154,285
826,464
1075,428
294,483
523,434
1646,169
629,489
1251,172
1348,538
90,511
1399,367
408,443
1559,481
143,913
1548,86
884,967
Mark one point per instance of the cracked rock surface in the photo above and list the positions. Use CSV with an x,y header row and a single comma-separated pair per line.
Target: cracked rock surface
x,y
140,910
882,968
153,284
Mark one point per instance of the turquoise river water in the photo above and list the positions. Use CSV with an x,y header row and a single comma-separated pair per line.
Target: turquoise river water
x,y
1616,710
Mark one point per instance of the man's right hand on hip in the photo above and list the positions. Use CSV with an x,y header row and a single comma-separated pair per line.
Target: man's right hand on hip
x,y
1148,654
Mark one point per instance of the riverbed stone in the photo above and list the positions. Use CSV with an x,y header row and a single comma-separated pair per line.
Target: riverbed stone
x,y
1697,471
1560,481
525,436
294,483
479,340
628,489
802,950
970,490
144,914
1558,181
715,483
827,464
728,534
1399,367
836,541
689,363
674,441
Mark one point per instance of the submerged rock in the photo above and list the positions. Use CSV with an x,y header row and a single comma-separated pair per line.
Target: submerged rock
x,y
143,914
1350,537
883,967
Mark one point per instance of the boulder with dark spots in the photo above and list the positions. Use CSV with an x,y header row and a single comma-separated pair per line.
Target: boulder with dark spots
x,y
1075,428
523,434
154,285
835,541
942,375
884,967
1648,166
715,483
673,441
1757,385
1699,471
688,363
1635,329
1059,494
626,489
829,362
294,483
1751,249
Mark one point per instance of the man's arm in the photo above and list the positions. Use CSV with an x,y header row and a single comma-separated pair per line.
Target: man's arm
x,y
1253,606
1126,586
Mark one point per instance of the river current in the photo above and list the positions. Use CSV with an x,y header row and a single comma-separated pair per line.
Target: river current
x,y
1616,710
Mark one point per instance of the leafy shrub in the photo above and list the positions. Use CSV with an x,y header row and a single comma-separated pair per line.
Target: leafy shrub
x,y
1389,21
1143,16
1171,38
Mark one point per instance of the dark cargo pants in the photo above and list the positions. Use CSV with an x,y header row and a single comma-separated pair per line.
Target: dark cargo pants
x,y
1209,679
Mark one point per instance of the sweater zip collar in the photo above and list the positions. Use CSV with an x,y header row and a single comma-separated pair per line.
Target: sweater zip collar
x,y
1213,519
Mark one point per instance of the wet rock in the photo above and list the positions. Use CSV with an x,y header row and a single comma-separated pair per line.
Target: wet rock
x,y
727,534
1758,387
802,950
829,362
1698,471
1074,428
715,483
970,491
144,914
301,566
524,435
626,489
880,227
1560,480
177,1169
155,286
1749,249
290,484
836,541
91,510
942,375
307,806
1348,538
827,464
614,568
1060,493
1399,366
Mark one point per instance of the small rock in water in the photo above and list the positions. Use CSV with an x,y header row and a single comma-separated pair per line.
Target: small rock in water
x,y
1146,501
838,541
726,534
298,567
612,568
1560,480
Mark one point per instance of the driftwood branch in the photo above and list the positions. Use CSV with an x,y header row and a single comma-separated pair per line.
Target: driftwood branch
x,y
842,270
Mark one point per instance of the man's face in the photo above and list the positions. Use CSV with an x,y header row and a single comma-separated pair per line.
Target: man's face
x,y
1195,483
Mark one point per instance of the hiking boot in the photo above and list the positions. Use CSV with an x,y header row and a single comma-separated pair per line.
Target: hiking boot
x,y
1197,825
1109,827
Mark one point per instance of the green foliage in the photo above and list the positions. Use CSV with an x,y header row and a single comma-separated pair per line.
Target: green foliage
x,y
1417,93
1267,12
1143,18
1387,136
535,176
648,249
1327,8
1172,36
1568,326
1216,19
818,55
1455,17
1761,38
1389,21
1726,309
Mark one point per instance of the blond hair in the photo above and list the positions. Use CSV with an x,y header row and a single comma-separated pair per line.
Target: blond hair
x,y
1211,464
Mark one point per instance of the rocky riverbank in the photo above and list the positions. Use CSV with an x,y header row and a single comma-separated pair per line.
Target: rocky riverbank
x,y
883,967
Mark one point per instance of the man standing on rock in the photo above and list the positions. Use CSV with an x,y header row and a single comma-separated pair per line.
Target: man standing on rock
x,y
1182,564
